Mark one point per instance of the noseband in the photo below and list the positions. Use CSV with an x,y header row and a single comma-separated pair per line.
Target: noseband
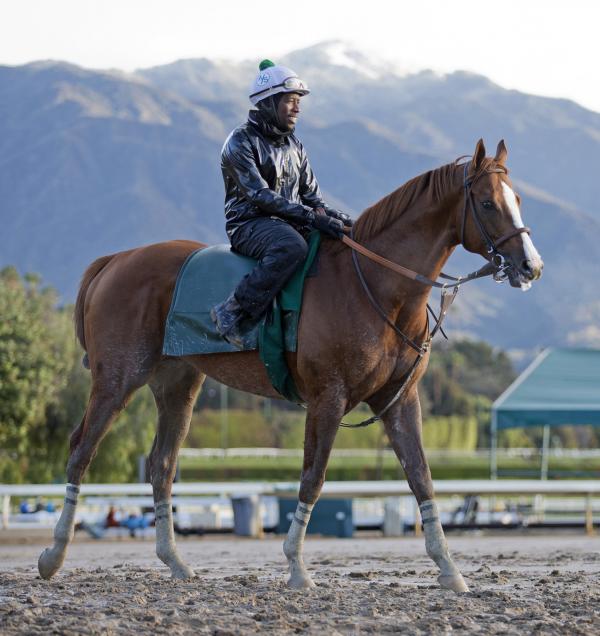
x,y
492,246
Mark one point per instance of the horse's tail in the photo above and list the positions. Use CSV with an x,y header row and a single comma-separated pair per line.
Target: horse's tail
x,y
90,273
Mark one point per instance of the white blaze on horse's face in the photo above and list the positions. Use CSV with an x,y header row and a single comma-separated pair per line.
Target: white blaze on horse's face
x,y
531,254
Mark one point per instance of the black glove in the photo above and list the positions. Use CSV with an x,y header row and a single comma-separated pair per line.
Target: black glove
x,y
328,225
340,216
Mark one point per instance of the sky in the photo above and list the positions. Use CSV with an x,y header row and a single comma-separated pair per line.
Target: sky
x,y
548,47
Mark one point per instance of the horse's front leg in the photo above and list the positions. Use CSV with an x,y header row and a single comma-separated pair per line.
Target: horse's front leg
x,y
322,422
403,426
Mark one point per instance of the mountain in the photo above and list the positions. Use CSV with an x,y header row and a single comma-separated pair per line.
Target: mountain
x,y
95,162
550,140
562,307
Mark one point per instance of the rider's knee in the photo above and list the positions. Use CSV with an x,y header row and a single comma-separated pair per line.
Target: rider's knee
x,y
296,249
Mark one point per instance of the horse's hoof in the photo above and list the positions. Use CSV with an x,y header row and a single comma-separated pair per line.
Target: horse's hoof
x,y
300,582
183,573
49,563
454,582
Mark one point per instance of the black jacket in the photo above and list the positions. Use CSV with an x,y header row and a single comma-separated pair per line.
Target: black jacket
x,y
266,173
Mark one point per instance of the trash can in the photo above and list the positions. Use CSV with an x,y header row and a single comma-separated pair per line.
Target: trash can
x,y
330,517
247,518
393,517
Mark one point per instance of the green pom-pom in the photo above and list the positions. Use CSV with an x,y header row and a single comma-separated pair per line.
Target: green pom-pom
x,y
265,64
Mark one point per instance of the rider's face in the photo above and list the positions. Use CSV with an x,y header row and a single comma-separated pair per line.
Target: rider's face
x,y
288,110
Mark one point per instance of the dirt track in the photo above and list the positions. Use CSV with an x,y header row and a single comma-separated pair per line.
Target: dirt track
x,y
541,585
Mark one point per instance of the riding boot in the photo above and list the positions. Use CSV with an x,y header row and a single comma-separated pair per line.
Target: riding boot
x,y
228,316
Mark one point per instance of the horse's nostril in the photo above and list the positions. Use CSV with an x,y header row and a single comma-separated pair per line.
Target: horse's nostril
x,y
527,267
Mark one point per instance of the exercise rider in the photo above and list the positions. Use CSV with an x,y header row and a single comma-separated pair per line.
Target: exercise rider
x,y
272,199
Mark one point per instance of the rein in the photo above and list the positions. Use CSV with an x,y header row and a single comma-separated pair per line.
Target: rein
x,y
496,267
446,300
487,270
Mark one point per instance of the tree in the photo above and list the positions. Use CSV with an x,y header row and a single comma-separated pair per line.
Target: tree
x,y
461,373
31,366
48,443
44,391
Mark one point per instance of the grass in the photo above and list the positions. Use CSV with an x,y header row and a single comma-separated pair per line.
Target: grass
x,y
342,468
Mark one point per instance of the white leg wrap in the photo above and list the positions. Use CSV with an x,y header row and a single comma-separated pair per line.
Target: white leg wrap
x,y
293,546
437,548
166,550
51,559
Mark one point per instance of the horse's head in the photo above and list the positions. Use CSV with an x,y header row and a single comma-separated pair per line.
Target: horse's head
x,y
490,223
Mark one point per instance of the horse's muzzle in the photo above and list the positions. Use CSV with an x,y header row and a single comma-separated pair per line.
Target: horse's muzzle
x,y
525,273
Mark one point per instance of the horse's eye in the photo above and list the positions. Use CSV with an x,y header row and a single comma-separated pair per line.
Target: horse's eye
x,y
487,205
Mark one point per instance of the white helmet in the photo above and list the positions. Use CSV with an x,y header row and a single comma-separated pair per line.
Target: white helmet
x,y
273,79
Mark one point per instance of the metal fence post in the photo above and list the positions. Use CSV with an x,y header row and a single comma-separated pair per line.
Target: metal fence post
x,y
545,447
589,516
494,446
5,511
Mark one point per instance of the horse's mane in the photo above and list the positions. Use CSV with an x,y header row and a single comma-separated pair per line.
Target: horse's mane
x,y
431,188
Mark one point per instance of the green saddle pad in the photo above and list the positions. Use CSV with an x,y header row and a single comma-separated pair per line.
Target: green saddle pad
x,y
206,278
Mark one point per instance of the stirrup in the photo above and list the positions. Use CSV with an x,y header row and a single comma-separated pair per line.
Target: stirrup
x,y
228,329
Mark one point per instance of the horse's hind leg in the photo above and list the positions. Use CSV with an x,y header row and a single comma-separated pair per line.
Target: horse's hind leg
x,y
322,422
107,400
403,426
175,386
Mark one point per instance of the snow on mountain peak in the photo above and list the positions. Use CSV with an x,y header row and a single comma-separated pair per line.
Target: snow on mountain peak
x,y
367,63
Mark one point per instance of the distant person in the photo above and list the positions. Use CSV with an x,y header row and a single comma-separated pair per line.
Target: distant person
x,y
272,199
111,519
135,522
39,506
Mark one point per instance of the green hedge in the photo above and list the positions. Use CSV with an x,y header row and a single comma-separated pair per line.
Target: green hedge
x,y
285,429
288,468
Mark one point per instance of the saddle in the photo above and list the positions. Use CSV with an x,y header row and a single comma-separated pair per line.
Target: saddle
x,y
205,279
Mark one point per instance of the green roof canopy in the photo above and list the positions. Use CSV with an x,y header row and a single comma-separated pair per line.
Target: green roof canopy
x,y
561,386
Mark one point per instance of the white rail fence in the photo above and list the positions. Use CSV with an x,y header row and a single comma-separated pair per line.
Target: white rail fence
x,y
366,453
588,489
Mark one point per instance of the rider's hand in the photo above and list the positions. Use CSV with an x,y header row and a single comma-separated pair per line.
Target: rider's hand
x,y
340,216
328,225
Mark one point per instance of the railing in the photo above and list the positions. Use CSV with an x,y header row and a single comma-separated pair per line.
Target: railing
x,y
582,488
354,453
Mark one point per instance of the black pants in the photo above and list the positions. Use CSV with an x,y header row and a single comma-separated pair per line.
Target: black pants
x,y
280,250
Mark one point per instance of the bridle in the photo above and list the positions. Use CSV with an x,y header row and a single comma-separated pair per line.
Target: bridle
x,y
496,267
492,245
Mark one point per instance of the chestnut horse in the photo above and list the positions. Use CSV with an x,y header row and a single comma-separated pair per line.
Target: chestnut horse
x,y
347,353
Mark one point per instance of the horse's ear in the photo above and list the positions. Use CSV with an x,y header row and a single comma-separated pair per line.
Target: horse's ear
x,y
501,153
478,155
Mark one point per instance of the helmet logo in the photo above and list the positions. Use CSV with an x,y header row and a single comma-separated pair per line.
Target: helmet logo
x,y
263,79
